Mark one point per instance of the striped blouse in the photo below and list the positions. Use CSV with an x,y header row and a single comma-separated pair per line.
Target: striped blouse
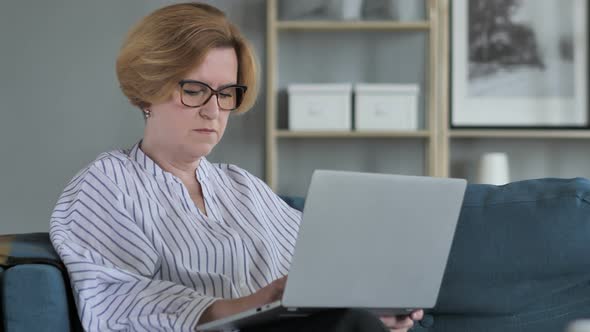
x,y
141,255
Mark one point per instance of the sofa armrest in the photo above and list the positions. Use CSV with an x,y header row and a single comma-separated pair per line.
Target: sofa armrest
x,y
34,298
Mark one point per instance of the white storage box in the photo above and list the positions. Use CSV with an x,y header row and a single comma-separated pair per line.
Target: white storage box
x,y
320,107
386,106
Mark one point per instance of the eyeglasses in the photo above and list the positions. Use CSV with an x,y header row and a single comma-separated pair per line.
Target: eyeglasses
x,y
196,94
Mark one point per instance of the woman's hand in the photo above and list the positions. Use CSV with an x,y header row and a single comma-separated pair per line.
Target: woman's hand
x,y
271,293
223,308
402,323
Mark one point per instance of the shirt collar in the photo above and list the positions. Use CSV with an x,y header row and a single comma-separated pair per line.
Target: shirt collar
x,y
136,154
204,169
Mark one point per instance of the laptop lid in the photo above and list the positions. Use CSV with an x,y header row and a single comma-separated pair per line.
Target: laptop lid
x,y
373,241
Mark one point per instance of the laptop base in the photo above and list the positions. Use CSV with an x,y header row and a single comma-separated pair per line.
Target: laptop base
x,y
255,317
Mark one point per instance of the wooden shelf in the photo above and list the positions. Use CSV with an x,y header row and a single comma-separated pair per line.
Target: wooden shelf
x,y
431,27
352,134
519,133
352,25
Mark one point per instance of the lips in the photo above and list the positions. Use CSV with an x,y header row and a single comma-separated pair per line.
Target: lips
x,y
205,130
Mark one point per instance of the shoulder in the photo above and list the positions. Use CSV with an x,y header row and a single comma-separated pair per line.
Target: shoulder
x,y
105,168
108,161
246,183
235,175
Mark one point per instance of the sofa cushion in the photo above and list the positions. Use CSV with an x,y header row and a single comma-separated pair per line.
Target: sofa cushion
x,y
34,299
527,239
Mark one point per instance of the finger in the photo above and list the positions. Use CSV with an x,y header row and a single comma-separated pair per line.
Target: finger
x,y
417,315
389,321
281,281
403,322
279,287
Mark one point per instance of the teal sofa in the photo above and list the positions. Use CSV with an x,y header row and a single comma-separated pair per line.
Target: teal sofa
x,y
520,262
34,290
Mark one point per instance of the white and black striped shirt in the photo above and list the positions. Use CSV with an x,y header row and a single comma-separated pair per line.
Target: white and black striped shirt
x,y
142,256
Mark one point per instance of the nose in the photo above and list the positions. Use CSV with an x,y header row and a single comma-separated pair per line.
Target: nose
x,y
211,109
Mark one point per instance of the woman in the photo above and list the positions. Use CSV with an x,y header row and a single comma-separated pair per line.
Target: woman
x,y
158,238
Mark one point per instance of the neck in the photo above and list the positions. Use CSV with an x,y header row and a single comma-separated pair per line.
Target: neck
x,y
171,161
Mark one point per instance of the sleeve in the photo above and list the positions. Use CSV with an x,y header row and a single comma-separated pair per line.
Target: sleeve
x,y
111,263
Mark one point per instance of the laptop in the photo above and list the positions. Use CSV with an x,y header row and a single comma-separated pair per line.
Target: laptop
x,y
373,241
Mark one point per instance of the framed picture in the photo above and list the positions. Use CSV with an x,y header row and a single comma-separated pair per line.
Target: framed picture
x,y
519,63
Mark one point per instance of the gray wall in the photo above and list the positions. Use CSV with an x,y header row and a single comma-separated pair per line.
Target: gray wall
x,y
60,105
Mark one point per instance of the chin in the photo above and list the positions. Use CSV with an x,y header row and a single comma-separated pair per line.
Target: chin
x,y
201,150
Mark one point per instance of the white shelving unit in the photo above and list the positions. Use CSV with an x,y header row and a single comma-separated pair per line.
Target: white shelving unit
x,y
428,136
437,137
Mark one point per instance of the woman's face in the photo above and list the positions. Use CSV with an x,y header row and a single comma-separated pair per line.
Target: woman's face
x,y
187,132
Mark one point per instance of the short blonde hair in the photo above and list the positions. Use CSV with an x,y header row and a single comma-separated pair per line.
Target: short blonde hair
x,y
162,47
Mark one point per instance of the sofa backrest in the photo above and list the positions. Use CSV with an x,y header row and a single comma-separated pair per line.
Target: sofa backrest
x,y
516,245
520,259
1,302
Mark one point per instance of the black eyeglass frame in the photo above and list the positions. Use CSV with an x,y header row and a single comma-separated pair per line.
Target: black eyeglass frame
x,y
215,93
